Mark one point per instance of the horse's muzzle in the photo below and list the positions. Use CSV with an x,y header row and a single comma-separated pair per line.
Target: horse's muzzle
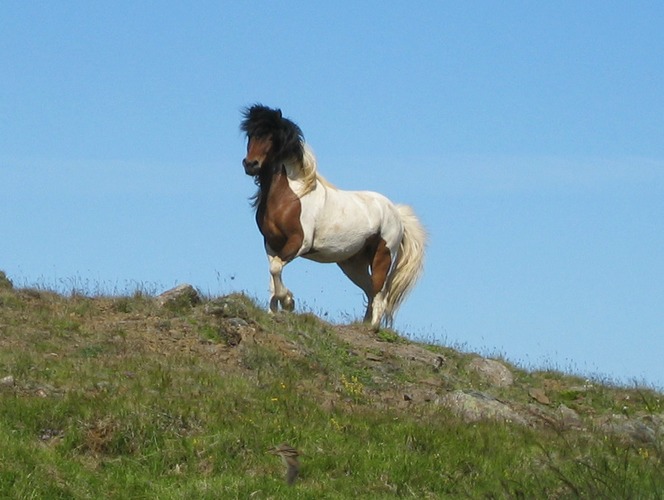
x,y
251,167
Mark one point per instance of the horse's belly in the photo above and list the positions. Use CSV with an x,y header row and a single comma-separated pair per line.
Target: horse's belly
x,y
326,252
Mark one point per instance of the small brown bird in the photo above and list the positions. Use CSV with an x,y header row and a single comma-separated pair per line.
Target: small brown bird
x,y
288,456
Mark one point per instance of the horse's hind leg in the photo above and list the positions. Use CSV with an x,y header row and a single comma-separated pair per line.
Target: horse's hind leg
x,y
380,268
279,294
357,270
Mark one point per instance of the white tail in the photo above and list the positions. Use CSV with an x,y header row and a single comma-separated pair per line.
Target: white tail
x,y
409,263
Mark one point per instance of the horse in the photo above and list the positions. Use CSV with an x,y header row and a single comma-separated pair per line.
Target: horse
x,y
377,244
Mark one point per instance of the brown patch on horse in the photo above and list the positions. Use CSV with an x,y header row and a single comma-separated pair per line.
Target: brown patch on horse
x,y
377,258
278,218
380,265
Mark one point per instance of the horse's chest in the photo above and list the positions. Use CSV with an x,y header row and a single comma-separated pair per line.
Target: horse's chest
x,y
278,218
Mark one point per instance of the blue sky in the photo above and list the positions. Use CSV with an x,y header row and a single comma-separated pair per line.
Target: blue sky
x,y
526,135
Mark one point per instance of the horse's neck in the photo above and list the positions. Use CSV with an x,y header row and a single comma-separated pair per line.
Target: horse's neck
x,y
304,180
299,182
273,182
264,181
273,186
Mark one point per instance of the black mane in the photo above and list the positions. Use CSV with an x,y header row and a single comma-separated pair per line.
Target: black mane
x,y
287,138
287,144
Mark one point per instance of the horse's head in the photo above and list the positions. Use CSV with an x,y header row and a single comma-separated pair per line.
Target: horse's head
x,y
258,151
271,138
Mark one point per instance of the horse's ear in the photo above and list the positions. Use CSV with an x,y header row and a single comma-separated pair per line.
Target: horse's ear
x,y
279,114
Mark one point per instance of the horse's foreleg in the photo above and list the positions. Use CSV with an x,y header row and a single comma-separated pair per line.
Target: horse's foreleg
x,y
279,294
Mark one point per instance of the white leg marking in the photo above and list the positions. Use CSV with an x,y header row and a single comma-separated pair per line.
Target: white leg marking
x,y
279,293
379,304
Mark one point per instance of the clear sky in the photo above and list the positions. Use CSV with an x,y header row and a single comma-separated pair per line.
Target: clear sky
x,y
528,136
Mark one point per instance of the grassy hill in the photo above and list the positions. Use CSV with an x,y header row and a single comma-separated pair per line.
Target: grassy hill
x,y
136,397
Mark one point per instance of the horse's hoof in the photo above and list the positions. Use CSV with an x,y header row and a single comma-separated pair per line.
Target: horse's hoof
x,y
288,304
274,305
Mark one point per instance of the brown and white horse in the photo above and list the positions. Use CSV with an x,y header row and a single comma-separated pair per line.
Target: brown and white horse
x,y
377,244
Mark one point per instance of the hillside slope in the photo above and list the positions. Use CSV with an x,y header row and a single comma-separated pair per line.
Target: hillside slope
x,y
178,396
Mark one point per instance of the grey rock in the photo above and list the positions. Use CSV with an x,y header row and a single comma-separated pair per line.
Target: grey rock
x,y
568,418
237,323
492,372
181,296
639,429
472,406
228,307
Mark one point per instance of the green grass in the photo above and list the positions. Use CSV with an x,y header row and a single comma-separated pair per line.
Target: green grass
x,y
114,397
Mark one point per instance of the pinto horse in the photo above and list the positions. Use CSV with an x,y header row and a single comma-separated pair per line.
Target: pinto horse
x,y
377,244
